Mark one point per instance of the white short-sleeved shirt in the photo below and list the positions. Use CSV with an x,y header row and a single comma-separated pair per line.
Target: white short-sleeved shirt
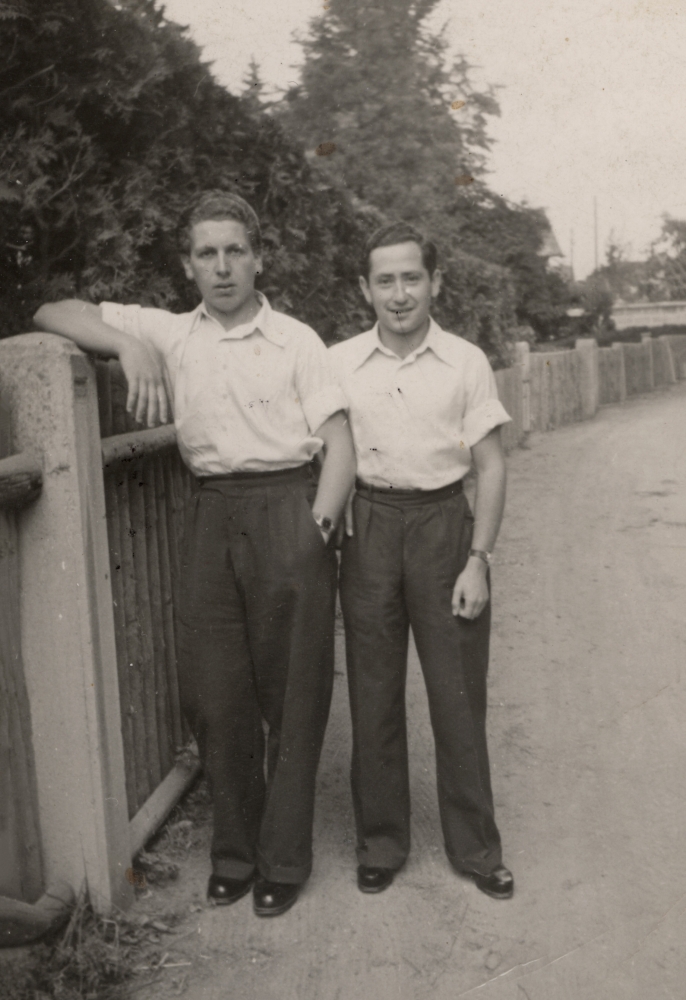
x,y
415,419
248,399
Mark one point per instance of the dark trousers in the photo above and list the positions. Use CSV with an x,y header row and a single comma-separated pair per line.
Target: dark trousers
x,y
398,570
255,638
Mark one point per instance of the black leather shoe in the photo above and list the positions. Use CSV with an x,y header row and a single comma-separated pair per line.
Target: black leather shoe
x,y
499,883
223,891
374,879
273,898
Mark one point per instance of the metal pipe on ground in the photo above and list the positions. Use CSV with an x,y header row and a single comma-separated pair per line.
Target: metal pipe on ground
x,y
23,923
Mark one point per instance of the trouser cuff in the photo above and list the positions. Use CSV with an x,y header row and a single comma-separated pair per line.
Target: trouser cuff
x,y
232,868
482,865
289,875
381,856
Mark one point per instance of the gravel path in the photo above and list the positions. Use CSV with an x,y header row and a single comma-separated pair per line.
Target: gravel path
x,y
587,717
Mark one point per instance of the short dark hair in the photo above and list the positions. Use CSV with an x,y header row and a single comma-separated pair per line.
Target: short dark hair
x,y
220,205
400,232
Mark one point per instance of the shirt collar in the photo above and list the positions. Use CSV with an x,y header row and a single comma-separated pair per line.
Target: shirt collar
x,y
434,341
263,323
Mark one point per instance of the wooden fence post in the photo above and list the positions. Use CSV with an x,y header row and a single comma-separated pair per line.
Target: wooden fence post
x,y
523,357
618,346
590,387
647,341
66,619
667,365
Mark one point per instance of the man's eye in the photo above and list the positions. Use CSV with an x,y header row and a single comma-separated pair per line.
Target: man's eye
x,y
236,252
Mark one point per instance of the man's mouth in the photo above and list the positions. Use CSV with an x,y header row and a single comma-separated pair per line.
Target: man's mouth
x,y
227,287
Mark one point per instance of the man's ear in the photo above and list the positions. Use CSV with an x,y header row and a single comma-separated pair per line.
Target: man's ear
x,y
364,285
436,281
186,262
258,265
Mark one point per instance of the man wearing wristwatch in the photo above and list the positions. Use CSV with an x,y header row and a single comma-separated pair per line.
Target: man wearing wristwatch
x,y
423,408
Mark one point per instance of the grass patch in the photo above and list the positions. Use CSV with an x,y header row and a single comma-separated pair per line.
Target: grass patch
x,y
91,959
110,958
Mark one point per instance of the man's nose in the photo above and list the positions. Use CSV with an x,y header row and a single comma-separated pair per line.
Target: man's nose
x,y
223,263
399,291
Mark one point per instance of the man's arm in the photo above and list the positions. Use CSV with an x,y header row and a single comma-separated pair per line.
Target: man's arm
x,y
338,471
470,594
82,323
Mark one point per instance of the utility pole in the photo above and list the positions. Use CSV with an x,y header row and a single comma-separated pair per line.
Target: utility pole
x,y
571,249
595,230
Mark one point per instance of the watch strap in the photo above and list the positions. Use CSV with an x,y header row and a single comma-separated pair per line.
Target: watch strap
x,y
481,554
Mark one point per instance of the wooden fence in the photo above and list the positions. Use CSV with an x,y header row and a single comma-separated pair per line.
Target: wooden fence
x,y
146,487
88,578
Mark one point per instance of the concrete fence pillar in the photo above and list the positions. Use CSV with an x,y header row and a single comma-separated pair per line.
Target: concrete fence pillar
x,y
668,367
647,342
590,386
523,359
618,346
677,344
66,620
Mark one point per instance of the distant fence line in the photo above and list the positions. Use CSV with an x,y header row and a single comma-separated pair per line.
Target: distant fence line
x,y
90,551
549,389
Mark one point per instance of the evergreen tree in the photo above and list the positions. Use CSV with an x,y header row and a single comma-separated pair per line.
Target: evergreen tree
x,y
376,83
383,111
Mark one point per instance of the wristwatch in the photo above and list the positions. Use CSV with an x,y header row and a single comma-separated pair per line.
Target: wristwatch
x,y
325,525
482,554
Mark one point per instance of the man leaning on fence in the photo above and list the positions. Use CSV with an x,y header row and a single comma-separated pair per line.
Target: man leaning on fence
x,y
253,403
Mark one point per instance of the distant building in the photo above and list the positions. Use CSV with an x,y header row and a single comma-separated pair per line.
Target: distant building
x,y
550,247
649,314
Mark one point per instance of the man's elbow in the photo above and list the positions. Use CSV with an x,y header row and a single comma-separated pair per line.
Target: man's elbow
x,y
52,316
41,318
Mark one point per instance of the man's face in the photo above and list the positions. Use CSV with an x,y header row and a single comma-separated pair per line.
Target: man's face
x,y
222,264
400,288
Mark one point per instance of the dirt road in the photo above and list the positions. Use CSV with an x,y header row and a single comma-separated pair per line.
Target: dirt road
x,y
586,726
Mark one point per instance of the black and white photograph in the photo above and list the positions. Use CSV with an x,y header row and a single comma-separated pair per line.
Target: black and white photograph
x,y
342,500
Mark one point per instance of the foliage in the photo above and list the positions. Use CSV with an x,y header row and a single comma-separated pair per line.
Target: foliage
x,y
110,122
596,298
666,265
514,237
383,111
376,83
659,278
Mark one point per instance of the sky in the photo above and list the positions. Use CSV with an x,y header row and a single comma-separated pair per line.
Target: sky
x,y
590,95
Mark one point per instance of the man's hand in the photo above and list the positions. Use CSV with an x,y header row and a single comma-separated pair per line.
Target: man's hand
x,y
147,396
81,322
345,526
470,594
